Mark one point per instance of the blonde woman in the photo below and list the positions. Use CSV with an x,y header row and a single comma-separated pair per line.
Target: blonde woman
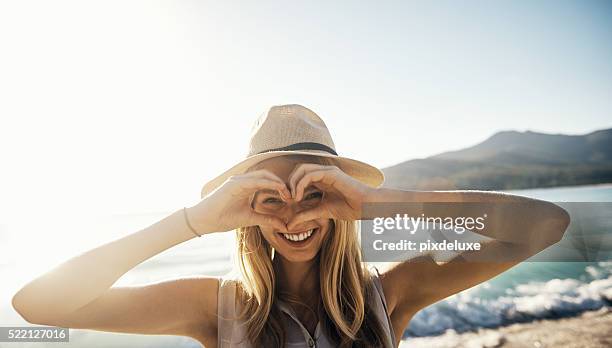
x,y
293,203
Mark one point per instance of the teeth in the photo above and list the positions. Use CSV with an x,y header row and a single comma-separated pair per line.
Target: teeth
x,y
297,237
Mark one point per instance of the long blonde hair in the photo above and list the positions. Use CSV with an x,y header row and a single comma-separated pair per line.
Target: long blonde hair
x,y
345,283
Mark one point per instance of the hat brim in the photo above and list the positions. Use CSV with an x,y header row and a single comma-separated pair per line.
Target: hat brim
x,y
361,171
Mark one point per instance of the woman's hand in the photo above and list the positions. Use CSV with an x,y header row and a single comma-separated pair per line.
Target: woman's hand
x,y
343,195
229,206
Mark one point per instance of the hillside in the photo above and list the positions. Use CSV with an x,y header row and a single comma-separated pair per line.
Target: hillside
x,y
511,160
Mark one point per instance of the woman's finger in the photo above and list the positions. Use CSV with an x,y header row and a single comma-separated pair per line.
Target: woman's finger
x,y
263,173
299,171
250,185
302,170
325,177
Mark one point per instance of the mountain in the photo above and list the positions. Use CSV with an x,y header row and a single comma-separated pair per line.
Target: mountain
x,y
511,160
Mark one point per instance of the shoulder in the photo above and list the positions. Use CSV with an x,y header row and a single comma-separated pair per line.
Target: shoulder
x,y
231,320
402,288
223,298
231,297
192,292
375,275
203,290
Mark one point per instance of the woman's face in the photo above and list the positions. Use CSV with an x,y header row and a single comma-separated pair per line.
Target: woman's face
x,y
304,241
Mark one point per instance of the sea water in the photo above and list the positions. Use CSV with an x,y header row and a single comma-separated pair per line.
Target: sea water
x,y
528,291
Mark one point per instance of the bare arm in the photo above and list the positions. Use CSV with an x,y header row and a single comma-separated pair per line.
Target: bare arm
x,y
78,292
512,218
519,231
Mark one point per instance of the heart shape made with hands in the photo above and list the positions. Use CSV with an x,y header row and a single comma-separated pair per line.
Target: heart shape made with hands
x,y
341,198
342,195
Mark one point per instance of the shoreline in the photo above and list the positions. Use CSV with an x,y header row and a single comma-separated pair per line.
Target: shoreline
x,y
590,329
603,184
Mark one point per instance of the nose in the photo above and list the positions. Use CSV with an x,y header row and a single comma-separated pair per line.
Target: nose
x,y
290,210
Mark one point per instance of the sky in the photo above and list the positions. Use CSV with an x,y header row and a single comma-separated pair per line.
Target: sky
x,y
121,107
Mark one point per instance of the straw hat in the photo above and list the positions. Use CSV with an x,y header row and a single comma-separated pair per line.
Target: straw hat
x,y
293,129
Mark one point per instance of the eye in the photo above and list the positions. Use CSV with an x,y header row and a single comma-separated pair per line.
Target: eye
x,y
314,195
272,200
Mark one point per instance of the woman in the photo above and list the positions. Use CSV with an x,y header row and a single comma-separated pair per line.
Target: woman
x,y
293,203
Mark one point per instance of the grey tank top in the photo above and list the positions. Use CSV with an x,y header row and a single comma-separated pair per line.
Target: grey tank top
x,y
232,333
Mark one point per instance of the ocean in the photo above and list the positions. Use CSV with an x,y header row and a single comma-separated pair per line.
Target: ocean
x,y
528,291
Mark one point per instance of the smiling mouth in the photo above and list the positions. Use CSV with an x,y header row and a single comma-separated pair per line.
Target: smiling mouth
x,y
299,238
